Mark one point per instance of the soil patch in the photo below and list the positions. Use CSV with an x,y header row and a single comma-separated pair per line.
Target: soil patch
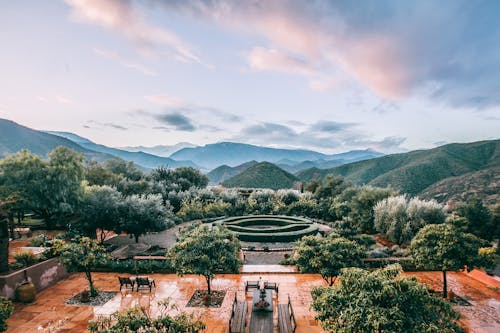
x,y
102,298
201,299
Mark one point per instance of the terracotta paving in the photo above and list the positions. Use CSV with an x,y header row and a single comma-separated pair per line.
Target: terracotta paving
x,y
49,309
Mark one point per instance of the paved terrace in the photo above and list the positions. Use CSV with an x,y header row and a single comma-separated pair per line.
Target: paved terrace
x,y
50,310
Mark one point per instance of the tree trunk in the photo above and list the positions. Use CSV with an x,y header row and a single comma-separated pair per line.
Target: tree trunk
x,y
208,285
136,238
93,291
445,285
4,247
11,225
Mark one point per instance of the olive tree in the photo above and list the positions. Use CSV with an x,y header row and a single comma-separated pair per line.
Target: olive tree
x,y
83,255
142,214
446,247
206,250
400,218
382,301
327,256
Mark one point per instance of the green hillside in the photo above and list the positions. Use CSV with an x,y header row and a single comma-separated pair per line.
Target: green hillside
x,y
484,184
262,175
220,174
415,171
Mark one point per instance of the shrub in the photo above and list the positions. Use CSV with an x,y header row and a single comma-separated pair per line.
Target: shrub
x,y
6,309
25,258
39,240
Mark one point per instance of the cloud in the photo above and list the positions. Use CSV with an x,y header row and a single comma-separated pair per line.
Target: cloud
x,y
178,105
325,135
270,59
99,125
330,126
394,48
178,121
123,17
125,63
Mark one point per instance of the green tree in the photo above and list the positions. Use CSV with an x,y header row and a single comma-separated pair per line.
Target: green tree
x,y
327,256
100,211
205,250
142,214
6,309
96,174
480,221
445,247
382,301
83,255
63,185
332,187
25,174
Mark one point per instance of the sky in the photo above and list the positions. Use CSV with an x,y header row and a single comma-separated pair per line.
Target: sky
x,y
330,76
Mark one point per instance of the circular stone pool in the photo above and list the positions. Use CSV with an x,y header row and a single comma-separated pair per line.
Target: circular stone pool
x,y
270,228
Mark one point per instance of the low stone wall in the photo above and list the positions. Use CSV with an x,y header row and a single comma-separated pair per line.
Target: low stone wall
x,y
42,275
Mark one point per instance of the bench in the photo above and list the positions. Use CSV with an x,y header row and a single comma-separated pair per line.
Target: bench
x,y
126,281
286,318
238,320
144,282
251,284
271,285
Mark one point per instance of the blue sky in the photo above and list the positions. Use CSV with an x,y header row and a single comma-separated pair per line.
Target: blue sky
x,y
324,75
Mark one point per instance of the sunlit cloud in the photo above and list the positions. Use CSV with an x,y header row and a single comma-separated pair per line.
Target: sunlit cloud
x,y
124,18
123,62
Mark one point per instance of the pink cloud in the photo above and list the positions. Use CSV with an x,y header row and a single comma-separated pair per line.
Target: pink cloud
x,y
122,17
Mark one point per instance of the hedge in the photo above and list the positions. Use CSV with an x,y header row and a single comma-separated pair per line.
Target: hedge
x,y
286,228
282,237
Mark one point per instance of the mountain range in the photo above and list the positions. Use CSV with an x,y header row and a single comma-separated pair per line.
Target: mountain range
x,y
160,150
140,158
232,154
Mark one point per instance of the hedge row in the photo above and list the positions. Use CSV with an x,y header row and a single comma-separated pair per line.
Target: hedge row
x,y
282,218
280,237
286,228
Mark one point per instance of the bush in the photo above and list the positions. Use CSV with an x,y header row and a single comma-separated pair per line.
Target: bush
x,y
25,258
6,309
39,240
380,252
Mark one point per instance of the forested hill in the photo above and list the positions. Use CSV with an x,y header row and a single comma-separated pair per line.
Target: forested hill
x,y
262,175
417,170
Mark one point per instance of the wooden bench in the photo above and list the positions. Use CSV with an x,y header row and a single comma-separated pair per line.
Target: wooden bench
x,y
238,320
144,282
251,284
286,318
126,281
271,285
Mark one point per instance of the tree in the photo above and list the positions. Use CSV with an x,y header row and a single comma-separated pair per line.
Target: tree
x,y
480,221
83,255
7,207
327,256
331,188
63,185
206,250
382,301
445,247
142,214
100,210
6,309
400,218
96,174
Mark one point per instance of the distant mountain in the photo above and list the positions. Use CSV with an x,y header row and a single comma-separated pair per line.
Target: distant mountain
x,y
355,155
15,137
417,170
484,184
232,154
320,164
146,160
262,175
164,151
220,174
